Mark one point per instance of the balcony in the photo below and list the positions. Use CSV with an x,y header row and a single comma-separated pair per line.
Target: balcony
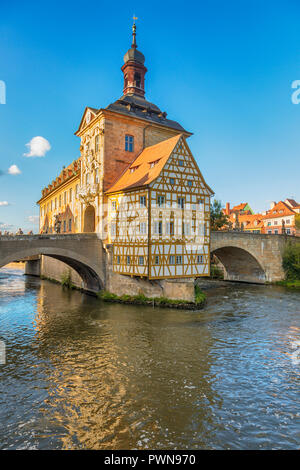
x,y
88,192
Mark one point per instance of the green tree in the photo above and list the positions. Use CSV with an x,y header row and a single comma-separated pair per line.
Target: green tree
x,y
291,261
218,219
297,223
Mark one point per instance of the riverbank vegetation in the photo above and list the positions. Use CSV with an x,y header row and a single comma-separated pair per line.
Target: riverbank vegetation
x,y
291,266
66,280
200,299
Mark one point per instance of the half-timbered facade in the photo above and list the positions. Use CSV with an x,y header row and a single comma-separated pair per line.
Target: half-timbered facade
x,y
159,214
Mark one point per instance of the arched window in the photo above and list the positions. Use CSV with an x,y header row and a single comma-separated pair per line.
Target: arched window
x,y
97,142
137,80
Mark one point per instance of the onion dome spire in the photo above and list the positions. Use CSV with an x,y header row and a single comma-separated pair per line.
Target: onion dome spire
x,y
133,68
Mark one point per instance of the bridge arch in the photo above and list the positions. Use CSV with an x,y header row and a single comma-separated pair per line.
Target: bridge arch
x,y
240,265
91,275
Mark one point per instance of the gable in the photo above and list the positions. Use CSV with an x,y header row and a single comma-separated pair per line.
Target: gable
x,y
182,167
88,116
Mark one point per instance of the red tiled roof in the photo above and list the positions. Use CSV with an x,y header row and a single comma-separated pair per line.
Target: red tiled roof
x,y
279,210
292,202
140,172
239,207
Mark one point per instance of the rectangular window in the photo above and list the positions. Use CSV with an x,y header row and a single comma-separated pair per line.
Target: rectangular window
x,y
160,201
180,202
70,194
128,260
172,259
288,222
201,229
70,225
129,141
118,259
275,222
269,223
201,204
172,181
65,226
190,183
269,232
143,228
180,162
158,228
55,203
141,260
288,231
178,259
59,200
97,178
185,228
170,228
199,259
113,230
113,205
276,232
77,189
142,201
156,260
65,197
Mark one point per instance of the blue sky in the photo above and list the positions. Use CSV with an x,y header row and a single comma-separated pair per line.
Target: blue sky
x,y
222,69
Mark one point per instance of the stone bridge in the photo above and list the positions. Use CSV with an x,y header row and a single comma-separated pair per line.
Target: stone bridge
x,y
249,257
83,252
246,257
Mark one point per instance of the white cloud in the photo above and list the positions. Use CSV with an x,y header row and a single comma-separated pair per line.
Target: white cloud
x,y
34,219
14,170
4,203
38,146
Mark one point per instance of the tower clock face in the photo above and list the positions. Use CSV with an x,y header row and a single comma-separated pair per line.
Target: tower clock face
x,y
88,117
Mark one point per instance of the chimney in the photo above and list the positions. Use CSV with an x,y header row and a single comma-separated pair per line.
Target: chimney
x,y
227,210
273,204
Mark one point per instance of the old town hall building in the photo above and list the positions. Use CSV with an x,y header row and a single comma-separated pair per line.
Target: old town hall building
x,y
137,184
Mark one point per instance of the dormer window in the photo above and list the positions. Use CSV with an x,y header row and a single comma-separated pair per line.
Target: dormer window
x,y
152,164
132,170
129,141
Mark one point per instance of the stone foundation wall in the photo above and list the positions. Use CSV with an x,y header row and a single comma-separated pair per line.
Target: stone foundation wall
x,y
178,289
54,269
119,284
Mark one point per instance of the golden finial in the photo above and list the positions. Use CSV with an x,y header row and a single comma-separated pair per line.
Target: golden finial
x,y
134,31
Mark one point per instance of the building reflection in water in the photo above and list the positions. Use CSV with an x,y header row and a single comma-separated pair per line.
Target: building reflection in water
x,y
123,377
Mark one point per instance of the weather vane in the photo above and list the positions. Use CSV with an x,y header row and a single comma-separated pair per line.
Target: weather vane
x,y
134,18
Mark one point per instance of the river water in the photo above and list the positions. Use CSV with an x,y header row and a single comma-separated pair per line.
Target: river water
x,y
82,374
